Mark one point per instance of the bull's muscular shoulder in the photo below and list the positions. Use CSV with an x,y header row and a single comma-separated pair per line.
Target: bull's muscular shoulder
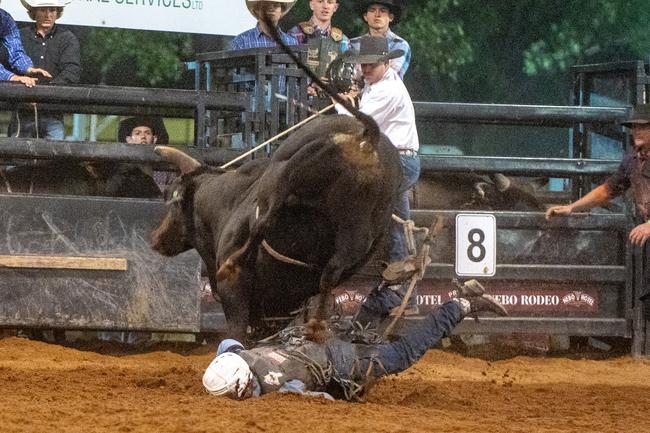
x,y
316,132
253,167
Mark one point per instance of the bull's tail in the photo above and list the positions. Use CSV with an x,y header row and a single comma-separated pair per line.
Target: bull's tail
x,y
371,133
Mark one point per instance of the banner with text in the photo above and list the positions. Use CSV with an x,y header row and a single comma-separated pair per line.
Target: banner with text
x,y
215,17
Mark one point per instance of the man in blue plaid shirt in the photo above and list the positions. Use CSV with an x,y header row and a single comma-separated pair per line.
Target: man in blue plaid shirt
x,y
259,36
19,62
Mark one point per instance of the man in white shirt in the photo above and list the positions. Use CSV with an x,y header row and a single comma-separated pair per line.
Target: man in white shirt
x,y
385,98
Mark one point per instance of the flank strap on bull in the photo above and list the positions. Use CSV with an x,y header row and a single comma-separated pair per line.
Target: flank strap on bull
x,y
279,256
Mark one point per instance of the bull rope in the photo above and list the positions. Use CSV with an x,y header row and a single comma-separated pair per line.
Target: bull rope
x,y
279,256
423,260
272,139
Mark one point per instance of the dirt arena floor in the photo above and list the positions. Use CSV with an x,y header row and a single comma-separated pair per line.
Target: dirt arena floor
x,y
50,388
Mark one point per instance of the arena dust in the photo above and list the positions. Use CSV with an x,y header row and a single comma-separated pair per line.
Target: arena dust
x,y
47,387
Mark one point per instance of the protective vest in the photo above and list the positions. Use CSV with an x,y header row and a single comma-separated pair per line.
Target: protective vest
x,y
275,365
335,367
322,48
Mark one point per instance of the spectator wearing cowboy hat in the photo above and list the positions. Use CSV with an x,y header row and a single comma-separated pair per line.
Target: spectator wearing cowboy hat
x,y
380,15
54,49
259,36
147,131
16,64
385,98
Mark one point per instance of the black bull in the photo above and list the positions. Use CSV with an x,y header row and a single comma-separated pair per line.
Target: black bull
x,y
324,199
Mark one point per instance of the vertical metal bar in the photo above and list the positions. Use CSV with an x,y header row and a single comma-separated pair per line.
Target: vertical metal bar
x,y
292,109
200,138
260,99
638,321
275,102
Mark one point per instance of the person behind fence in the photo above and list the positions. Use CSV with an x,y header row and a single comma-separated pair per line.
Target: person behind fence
x,y
380,15
148,131
16,64
634,173
325,40
343,367
56,50
259,36
385,98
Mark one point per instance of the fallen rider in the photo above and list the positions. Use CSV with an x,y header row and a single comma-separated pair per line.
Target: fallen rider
x,y
339,368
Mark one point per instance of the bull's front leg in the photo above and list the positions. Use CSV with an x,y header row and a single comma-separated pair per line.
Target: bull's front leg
x,y
236,307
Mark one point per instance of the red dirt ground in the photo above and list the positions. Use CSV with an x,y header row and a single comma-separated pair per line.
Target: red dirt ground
x,y
50,388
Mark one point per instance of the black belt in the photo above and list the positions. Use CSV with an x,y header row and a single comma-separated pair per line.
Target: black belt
x,y
409,152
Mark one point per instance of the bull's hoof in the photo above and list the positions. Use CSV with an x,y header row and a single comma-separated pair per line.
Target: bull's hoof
x,y
317,331
228,272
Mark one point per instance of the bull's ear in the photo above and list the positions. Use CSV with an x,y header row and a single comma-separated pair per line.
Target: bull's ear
x,y
91,170
538,182
480,188
183,161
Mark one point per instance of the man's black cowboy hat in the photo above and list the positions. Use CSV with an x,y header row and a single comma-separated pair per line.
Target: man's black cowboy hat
x,y
394,6
372,49
640,116
154,122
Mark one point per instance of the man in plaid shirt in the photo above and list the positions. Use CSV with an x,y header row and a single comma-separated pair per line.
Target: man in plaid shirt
x,y
259,36
18,62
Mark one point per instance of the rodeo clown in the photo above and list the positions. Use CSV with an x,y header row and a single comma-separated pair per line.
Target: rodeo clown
x,y
341,367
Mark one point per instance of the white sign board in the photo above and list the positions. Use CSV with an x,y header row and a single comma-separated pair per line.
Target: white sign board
x,y
476,250
214,17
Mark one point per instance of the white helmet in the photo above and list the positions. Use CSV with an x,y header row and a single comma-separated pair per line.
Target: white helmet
x,y
228,374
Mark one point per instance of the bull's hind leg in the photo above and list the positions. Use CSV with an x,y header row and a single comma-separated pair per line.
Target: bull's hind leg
x,y
353,245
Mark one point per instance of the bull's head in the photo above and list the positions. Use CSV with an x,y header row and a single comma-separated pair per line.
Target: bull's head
x,y
175,233
503,193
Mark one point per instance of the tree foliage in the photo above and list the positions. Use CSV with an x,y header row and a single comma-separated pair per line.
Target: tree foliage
x,y
464,50
135,58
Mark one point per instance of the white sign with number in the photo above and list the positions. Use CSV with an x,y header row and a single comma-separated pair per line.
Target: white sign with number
x,y
476,247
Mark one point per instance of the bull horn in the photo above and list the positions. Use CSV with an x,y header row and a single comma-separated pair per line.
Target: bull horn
x,y
480,188
502,182
183,161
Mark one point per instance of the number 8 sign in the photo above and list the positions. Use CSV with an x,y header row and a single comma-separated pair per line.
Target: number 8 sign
x,y
476,245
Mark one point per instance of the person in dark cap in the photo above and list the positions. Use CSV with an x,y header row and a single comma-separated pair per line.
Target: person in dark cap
x,y
380,15
142,130
385,98
634,173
